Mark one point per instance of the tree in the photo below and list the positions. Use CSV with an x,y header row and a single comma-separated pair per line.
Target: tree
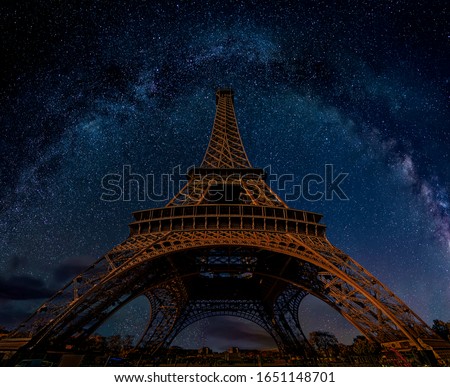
x,y
325,343
346,352
367,352
442,329
362,346
119,345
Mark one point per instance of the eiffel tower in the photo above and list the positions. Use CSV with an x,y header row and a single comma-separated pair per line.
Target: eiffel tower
x,y
226,245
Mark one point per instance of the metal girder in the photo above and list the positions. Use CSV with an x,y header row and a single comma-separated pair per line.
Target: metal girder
x,y
285,312
240,187
167,304
225,149
251,310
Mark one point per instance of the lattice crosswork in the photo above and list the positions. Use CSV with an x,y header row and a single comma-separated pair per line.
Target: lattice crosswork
x,y
369,290
84,282
251,310
225,149
285,311
212,189
167,305
226,152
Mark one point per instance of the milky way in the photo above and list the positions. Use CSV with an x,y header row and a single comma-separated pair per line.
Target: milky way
x,y
89,87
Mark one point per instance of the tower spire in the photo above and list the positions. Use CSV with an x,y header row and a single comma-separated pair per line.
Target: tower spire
x,y
226,175
225,149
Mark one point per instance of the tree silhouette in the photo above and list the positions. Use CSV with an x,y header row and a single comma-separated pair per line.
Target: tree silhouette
x,y
442,329
325,343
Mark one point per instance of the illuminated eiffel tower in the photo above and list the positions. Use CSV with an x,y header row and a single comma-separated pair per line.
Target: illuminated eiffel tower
x,y
226,245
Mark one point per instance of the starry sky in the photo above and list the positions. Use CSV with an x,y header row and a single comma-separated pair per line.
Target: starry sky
x,y
90,86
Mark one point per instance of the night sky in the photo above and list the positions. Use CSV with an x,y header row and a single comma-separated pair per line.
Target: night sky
x,y
90,86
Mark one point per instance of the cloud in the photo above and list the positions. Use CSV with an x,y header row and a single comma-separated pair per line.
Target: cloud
x,y
68,271
11,315
23,288
232,331
17,262
223,332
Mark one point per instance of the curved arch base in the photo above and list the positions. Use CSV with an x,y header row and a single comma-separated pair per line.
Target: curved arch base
x,y
191,275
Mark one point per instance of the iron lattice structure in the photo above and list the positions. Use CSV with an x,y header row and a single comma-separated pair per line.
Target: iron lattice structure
x,y
226,244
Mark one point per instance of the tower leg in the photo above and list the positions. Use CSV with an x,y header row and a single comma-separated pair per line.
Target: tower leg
x,y
286,321
167,304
